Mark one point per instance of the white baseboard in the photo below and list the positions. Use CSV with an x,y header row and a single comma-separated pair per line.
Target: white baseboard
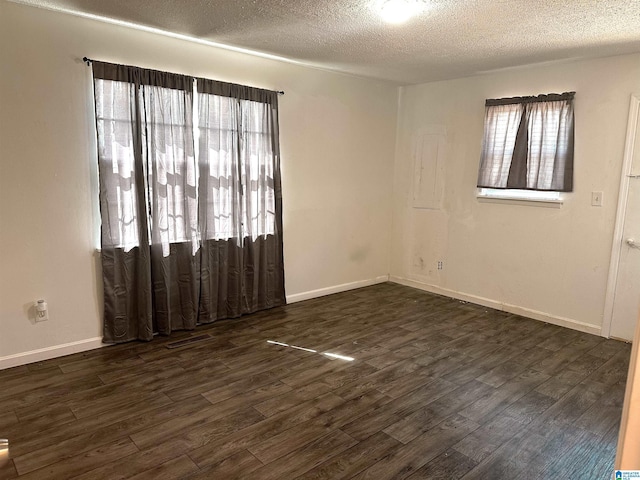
x,y
92,343
505,307
50,352
321,292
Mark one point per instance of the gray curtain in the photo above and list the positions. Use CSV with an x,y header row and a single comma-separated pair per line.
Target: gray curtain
x,y
186,238
528,143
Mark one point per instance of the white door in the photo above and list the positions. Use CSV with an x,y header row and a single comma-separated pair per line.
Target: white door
x,y
624,277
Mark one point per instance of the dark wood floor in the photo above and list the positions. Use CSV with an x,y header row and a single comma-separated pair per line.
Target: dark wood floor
x,y
439,389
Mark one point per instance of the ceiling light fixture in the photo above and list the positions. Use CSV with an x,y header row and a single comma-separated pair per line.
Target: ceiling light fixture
x,y
399,11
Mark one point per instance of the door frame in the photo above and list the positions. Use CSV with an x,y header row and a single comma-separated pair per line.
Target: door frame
x,y
616,248
628,450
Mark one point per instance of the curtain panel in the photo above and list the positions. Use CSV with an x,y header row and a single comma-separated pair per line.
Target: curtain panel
x,y
189,235
528,143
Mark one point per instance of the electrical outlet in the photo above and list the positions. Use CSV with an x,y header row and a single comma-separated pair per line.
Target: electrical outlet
x,y
41,311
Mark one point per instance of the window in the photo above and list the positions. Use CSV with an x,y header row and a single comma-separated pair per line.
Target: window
x,y
239,195
190,200
117,173
528,146
221,190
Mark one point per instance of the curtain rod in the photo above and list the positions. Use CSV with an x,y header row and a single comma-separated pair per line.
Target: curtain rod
x,y
89,60
549,97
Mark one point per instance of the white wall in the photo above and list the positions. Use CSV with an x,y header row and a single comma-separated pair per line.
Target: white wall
x,y
337,137
546,263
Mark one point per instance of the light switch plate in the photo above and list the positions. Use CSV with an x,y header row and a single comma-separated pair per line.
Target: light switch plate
x,y
596,199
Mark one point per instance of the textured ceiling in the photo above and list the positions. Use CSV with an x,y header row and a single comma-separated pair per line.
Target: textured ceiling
x,y
450,39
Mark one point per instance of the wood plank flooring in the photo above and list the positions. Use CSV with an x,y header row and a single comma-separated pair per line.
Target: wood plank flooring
x,y
438,389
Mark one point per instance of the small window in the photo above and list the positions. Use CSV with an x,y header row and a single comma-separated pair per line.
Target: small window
x,y
528,147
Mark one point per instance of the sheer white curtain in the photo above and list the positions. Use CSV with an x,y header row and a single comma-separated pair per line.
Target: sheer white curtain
x,y
119,207
167,162
237,167
500,132
258,169
550,142
171,165
219,159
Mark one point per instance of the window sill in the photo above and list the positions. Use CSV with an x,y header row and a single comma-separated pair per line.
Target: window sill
x,y
531,202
